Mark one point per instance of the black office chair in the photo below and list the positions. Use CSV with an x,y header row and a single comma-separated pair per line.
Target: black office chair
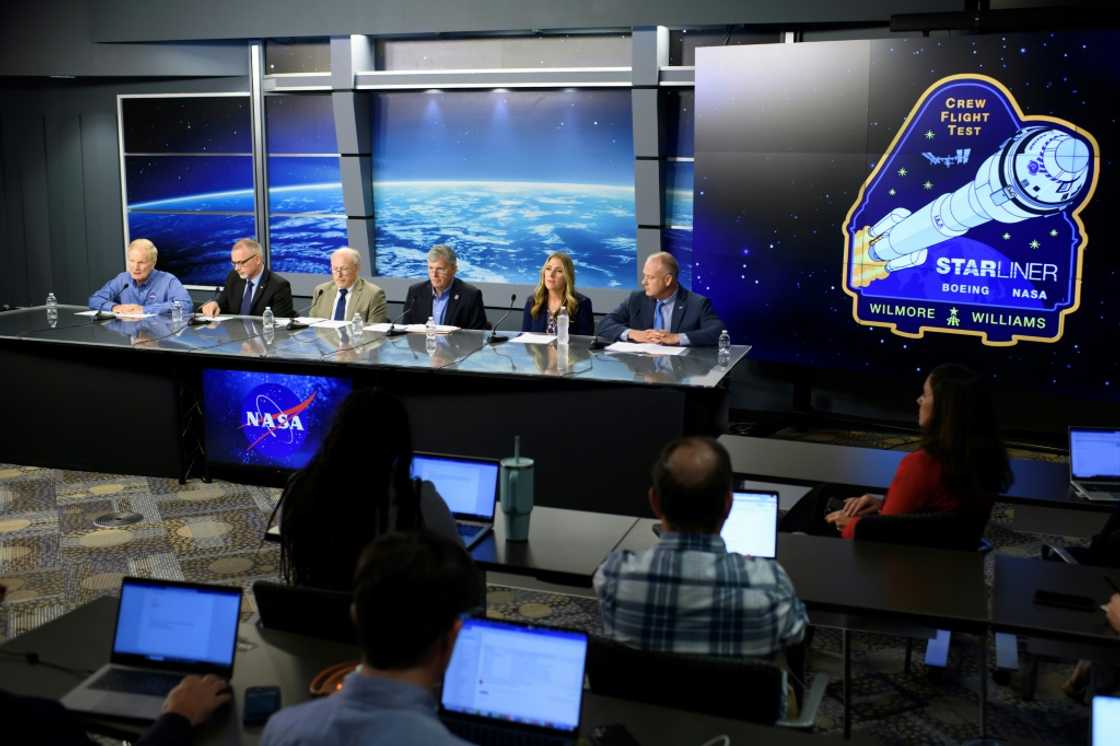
x,y
742,689
959,530
314,612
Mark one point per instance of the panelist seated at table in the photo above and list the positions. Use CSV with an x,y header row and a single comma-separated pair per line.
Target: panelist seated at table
x,y
444,297
689,594
46,721
250,287
356,487
348,293
410,590
555,290
663,312
961,465
142,288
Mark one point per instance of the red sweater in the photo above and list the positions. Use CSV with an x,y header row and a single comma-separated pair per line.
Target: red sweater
x,y
916,488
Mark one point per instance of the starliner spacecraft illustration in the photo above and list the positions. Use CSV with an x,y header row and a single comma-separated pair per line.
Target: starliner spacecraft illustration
x,y
1037,172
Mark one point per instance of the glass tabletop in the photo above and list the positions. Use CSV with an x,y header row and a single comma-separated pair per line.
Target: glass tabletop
x,y
26,321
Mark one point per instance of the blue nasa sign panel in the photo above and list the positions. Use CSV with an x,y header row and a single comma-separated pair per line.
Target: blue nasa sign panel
x,y
969,223
267,419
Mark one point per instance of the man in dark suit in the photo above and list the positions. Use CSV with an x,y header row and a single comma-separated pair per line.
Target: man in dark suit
x,y
663,312
250,288
448,300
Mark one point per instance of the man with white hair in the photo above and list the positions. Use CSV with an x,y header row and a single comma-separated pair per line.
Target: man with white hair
x,y
444,297
347,293
250,288
143,288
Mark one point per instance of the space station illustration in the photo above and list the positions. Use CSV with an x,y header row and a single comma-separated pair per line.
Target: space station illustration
x,y
933,245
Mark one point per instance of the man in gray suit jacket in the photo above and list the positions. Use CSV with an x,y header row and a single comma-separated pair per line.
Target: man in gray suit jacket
x,y
663,312
347,293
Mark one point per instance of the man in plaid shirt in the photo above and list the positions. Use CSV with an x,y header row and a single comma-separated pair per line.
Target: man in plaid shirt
x,y
688,594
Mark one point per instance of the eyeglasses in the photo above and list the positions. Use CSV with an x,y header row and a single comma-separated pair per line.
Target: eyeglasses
x,y
238,264
342,270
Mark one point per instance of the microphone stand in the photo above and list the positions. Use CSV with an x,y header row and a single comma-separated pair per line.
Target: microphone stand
x,y
393,331
499,338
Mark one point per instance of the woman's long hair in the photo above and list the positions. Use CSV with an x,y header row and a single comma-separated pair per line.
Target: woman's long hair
x,y
540,295
342,499
963,434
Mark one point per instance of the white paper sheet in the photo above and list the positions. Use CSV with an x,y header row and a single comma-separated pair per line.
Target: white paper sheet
x,y
329,323
530,338
646,348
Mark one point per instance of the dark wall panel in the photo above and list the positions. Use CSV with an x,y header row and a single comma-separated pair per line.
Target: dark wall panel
x,y
36,212
66,229
103,223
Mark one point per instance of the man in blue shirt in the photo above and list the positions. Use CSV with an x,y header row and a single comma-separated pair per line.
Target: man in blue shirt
x,y
409,591
143,288
663,312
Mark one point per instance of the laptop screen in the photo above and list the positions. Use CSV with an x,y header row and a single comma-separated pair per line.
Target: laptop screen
x,y
1094,454
517,674
172,623
1106,720
752,526
469,486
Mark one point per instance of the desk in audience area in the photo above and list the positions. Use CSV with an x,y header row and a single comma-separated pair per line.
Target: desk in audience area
x,y
81,640
113,396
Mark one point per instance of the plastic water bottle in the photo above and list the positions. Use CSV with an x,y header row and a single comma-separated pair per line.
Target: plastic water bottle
x,y
52,302
430,328
724,347
177,312
358,325
562,326
269,321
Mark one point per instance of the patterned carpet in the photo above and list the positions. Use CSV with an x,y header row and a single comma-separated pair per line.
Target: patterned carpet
x,y
53,559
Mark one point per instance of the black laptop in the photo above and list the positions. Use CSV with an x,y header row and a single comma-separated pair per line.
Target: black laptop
x,y
468,485
1094,463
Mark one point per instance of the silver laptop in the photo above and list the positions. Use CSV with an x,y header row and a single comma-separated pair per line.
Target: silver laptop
x,y
165,630
752,526
1094,463
1106,721
514,683
468,485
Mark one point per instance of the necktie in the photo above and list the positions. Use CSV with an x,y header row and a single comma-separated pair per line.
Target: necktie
x,y
658,321
247,300
340,309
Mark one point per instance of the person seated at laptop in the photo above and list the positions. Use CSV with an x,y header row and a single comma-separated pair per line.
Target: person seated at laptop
x,y
355,488
960,466
556,289
41,720
688,594
410,590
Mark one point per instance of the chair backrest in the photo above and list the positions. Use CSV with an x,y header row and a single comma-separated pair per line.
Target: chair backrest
x,y
733,688
314,612
951,530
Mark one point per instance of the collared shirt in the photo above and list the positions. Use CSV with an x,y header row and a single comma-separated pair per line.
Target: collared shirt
x,y
155,294
688,594
439,304
667,307
369,709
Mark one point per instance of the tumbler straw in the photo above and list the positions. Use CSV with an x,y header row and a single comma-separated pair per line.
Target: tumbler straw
x,y
517,448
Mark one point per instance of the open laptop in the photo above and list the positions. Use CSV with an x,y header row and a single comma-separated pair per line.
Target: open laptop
x,y
468,485
1106,721
1094,463
752,526
510,681
165,630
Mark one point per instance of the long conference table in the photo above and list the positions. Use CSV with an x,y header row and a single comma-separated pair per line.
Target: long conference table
x,y
124,396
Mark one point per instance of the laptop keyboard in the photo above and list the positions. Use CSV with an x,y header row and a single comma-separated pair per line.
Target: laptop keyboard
x,y
137,682
493,735
466,532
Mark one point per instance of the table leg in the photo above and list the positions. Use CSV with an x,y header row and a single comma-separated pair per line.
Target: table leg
x,y
845,644
983,683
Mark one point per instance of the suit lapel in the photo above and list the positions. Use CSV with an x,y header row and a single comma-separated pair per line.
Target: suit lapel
x,y
258,294
678,311
452,303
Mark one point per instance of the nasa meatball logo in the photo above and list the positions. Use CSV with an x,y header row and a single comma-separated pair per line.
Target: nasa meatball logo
x,y
274,420
969,223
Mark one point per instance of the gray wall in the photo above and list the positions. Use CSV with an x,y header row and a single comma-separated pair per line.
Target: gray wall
x,y
60,185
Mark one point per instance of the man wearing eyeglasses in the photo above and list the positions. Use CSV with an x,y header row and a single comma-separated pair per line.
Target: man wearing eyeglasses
x,y
250,288
348,293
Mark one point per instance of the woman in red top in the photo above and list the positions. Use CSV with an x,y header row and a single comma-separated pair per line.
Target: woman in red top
x,y
961,465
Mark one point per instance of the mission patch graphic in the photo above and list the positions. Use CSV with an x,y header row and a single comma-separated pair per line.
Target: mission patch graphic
x,y
969,222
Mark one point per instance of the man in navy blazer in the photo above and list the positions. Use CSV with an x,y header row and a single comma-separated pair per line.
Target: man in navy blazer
x,y
445,297
663,312
268,290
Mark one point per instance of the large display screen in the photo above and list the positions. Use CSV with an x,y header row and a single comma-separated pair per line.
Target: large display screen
x,y
885,206
274,420
505,178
